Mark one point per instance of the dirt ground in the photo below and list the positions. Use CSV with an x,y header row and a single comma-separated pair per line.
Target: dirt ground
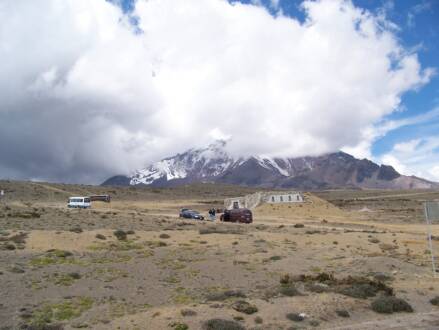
x,y
341,260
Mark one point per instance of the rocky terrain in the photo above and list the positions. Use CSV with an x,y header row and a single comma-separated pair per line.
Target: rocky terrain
x,y
214,164
341,260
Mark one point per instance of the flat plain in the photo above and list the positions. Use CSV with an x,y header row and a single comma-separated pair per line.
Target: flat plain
x,y
344,259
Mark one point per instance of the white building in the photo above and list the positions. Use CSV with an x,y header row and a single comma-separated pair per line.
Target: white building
x,y
281,197
272,197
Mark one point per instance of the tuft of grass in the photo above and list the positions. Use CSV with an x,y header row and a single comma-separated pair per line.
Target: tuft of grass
x,y
223,295
154,244
53,257
121,245
215,230
66,279
221,324
171,280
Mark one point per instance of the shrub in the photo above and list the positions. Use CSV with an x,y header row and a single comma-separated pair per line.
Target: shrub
x,y
285,279
181,326
295,317
19,238
100,236
289,291
374,240
188,312
223,295
220,324
164,236
343,313
59,253
75,275
299,225
361,291
9,246
120,235
390,304
244,307
317,287
76,230
435,301
314,323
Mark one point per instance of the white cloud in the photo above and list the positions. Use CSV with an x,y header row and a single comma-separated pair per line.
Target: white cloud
x,y
418,157
83,96
374,132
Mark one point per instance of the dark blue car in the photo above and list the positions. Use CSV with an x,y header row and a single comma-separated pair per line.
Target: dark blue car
x,y
190,214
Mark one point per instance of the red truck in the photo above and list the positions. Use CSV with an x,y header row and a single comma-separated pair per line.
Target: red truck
x,y
237,215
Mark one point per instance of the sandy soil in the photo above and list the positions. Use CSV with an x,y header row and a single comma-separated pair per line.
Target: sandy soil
x,y
63,268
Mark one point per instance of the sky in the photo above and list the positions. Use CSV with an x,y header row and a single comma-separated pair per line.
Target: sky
x,y
94,88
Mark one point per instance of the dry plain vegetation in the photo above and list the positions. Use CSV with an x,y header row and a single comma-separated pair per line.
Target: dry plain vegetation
x,y
342,260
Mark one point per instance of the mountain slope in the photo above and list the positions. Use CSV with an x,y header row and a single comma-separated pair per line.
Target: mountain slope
x,y
214,164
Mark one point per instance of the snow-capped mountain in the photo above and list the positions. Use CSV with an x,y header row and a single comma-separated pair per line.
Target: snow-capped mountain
x,y
214,164
195,164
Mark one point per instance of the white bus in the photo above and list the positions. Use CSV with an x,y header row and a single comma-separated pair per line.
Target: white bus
x,y
79,202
